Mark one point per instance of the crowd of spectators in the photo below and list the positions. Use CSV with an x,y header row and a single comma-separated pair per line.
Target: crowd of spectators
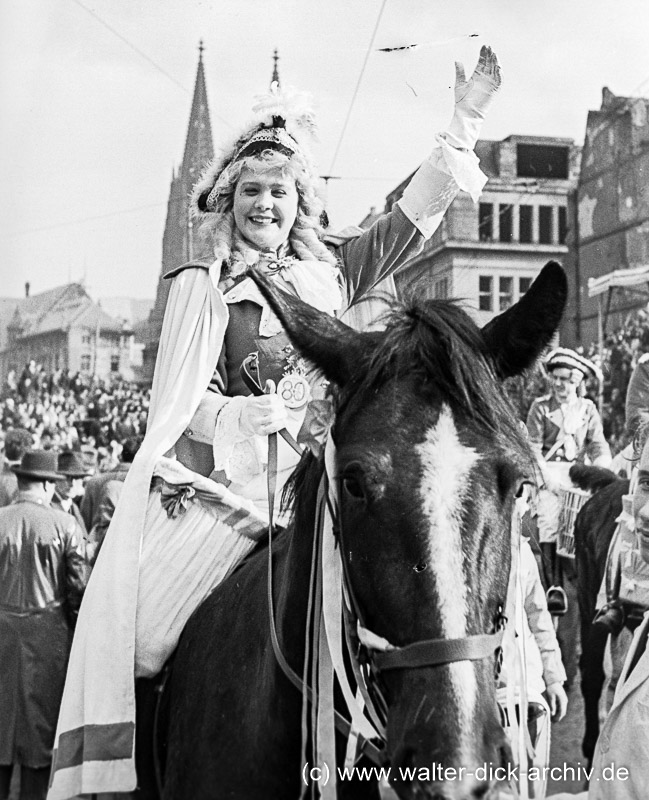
x,y
64,411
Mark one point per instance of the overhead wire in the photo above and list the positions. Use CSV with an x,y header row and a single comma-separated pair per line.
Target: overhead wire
x,y
142,54
357,87
81,221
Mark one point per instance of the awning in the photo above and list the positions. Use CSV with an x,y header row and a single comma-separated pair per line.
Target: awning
x,y
620,277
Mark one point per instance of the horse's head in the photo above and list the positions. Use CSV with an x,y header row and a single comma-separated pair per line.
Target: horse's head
x,y
430,458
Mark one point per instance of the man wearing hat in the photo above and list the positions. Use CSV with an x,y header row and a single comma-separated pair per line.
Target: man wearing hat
x,y
43,573
69,489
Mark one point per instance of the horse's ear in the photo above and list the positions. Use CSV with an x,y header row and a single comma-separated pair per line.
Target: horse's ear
x,y
518,336
331,345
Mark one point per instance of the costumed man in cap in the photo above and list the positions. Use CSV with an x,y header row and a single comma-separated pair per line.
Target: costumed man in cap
x,y
43,574
259,206
69,490
564,428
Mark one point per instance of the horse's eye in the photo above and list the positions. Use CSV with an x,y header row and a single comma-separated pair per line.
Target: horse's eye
x,y
353,487
352,481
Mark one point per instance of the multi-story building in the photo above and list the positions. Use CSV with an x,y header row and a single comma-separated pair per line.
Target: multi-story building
x,y
488,254
64,328
610,209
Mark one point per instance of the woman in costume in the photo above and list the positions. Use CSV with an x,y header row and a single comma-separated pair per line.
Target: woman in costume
x,y
168,547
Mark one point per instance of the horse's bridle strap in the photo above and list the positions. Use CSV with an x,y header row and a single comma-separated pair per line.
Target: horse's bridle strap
x,y
438,651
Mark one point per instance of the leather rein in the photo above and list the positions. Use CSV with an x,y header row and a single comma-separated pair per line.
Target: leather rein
x,y
371,650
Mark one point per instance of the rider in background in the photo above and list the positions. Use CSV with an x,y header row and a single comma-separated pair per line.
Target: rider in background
x,y
564,428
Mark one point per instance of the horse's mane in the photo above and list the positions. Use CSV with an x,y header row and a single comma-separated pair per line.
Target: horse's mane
x,y
437,343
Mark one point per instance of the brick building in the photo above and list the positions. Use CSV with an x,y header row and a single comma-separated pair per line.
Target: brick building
x,y
610,209
487,254
64,328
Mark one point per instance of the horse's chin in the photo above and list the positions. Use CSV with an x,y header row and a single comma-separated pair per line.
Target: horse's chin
x,y
449,776
468,787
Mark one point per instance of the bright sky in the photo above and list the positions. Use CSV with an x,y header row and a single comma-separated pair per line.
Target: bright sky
x,y
96,94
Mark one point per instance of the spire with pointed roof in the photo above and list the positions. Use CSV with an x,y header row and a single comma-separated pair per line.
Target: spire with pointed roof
x,y
199,148
178,243
275,75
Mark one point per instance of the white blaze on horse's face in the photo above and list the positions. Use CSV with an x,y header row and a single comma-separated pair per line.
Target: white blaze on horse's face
x,y
446,467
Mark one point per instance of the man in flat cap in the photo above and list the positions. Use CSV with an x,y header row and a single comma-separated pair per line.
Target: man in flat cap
x,y
43,573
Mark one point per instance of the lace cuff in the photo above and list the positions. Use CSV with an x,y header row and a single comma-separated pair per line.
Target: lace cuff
x,y
436,183
235,453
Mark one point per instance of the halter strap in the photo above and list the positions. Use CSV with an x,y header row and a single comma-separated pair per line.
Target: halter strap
x,y
431,652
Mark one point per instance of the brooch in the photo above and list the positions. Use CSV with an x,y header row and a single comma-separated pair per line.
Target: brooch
x,y
294,388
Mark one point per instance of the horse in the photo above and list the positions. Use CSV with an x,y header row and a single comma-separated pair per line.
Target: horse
x,y
429,461
594,528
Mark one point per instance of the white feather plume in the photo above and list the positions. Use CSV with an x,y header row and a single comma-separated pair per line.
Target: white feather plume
x,y
296,108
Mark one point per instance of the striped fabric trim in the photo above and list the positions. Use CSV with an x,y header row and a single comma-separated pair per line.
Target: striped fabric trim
x,y
110,742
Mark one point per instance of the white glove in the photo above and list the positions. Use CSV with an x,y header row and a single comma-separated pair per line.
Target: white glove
x,y
263,415
472,99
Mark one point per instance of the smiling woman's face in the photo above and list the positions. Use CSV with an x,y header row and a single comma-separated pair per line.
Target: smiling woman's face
x,y
265,207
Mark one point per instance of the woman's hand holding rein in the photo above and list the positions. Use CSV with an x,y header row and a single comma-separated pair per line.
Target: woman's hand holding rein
x,y
263,415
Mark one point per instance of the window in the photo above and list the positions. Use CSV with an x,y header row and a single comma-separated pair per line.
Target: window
x,y
545,224
85,339
441,289
523,285
505,293
563,224
114,363
525,224
505,214
485,292
85,362
486,222
542,161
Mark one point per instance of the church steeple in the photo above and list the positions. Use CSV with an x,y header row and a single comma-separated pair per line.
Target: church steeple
x,y
179,243
275,75
199,148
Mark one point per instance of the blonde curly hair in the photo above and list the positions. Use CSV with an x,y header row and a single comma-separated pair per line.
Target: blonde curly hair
x,y
217,225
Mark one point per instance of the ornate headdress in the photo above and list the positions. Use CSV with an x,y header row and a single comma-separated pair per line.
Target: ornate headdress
x,y
284,123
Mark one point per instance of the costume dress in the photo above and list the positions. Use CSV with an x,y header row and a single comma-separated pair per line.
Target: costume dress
x,y
153,570
43,573
561,434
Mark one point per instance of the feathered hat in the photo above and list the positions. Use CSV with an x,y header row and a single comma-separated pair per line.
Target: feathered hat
x,y
284,122
564,357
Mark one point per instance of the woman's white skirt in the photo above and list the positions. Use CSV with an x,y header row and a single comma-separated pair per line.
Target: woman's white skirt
x,y
181,561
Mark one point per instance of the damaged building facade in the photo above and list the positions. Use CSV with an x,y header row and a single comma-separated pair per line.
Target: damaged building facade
x,y
487,254
608,214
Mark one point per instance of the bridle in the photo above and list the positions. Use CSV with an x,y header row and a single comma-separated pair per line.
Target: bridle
x,y
370,655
